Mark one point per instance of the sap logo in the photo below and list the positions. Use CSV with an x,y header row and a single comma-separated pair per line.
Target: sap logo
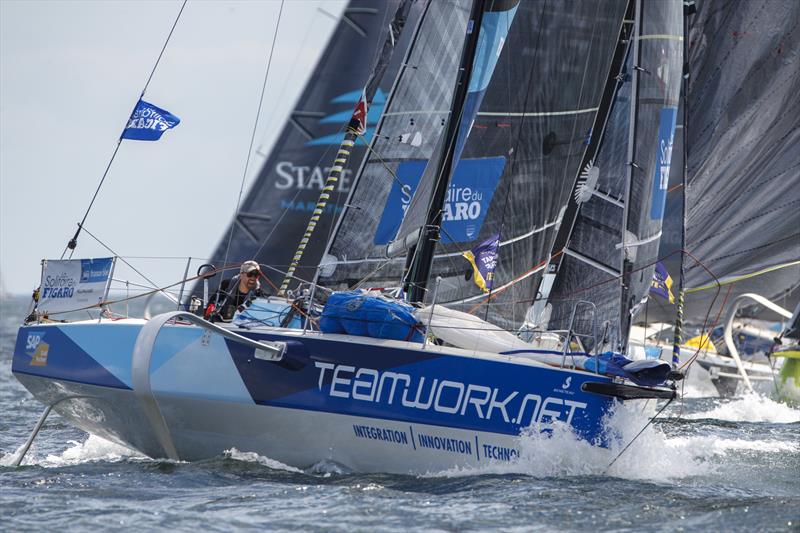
x,y
32,342
291,176
444,396
37,349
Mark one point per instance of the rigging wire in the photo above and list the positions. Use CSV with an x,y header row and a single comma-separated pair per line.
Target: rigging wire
x,y
255,128
104,245
639,434
73,243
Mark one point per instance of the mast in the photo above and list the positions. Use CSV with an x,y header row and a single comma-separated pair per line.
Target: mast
x,y
689,8
421,255
626,260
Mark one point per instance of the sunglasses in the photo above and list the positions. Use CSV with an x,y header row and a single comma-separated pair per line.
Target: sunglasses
x,y
253,274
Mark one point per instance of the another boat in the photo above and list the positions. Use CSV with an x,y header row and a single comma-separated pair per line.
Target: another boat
x,y
739,190
496,110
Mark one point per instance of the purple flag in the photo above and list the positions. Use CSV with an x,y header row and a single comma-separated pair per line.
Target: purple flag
x,y
662,283
483,259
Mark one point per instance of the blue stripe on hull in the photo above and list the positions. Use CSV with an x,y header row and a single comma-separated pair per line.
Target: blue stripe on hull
x,y
418,386
48,351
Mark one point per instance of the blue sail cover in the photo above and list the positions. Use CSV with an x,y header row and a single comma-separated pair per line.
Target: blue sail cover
x,y
356,313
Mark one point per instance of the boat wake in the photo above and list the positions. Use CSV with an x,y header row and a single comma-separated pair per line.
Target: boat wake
x,y
653,456
750,408
252,457
93,449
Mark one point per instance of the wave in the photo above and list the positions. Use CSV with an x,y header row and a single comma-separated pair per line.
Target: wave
x,y
751,407
93,449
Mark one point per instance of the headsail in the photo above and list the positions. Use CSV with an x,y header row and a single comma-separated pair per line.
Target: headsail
x,y
285,192
615,237
743,204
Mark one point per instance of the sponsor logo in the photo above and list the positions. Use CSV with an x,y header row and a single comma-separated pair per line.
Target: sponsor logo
x,y
444,396
666,135
95,270
567,383
36,348
367,115
291,176
60,285
466,202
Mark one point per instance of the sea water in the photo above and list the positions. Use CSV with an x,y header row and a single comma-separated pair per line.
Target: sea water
x,y
706,464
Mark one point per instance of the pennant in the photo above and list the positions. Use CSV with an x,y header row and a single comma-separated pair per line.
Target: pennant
x,y
483,259
662,283
358,122
148,122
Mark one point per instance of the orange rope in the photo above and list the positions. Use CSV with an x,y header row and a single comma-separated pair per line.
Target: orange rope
x,y
521,277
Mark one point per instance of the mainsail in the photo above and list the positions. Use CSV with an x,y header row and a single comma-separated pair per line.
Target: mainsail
x,y
518,164
285,193
743,133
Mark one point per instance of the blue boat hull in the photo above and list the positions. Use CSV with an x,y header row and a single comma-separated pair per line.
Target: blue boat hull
x,y
367,404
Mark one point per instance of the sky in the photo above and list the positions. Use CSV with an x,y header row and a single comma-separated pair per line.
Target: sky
x,y
70,74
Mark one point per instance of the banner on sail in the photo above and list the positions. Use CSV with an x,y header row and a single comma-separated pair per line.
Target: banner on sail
x,y
148,122
465,206
74,284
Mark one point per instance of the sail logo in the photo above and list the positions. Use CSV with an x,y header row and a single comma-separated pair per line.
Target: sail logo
x,y
666,135
443,396
95,270
36,348
304,177
466,202
351,99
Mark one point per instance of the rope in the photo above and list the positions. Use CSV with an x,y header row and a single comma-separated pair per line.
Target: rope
x,y
638,434
253,135
73,243
743,277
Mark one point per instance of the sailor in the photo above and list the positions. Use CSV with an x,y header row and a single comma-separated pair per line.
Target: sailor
x,y
235,294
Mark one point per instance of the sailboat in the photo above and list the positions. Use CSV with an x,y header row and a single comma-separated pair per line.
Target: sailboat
x,y
491,121
741,222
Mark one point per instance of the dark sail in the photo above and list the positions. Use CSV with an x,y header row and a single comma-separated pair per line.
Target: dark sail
x,y
518,164
743,195
608,258
273,216
406,139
